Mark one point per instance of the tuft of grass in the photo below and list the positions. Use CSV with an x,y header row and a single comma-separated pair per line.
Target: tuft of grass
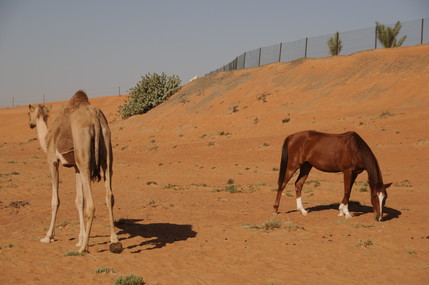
x,y
365,243
232,188
411,252
274,224
74,253
129,280
271,225
386,114
286,120
362,226
104,270
314,182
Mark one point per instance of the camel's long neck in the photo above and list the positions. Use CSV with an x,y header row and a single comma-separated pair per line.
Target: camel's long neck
x,y
42,130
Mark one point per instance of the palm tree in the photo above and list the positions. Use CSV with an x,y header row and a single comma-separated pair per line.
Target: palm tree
x,y
387,35
335,44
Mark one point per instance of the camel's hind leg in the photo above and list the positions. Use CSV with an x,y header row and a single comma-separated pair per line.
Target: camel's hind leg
x,y
110,202
53,167
89,208
80,206
303,174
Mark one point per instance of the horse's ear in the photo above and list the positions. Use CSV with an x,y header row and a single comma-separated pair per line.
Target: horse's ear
x,y
31,108
387,185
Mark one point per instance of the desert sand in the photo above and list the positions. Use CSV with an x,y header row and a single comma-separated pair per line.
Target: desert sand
x,y
172,166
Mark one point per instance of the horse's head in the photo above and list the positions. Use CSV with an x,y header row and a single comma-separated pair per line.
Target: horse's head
x,y
36,112
378,200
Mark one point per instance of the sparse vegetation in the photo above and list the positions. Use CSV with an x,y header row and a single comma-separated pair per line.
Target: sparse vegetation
x,y
386,114
104,270
335,45
411,252
387,35
129,280
274,224
363,226
74,253
150,91
365,243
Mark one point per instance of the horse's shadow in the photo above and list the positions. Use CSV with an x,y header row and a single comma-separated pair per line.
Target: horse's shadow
x,y
159,234
358,209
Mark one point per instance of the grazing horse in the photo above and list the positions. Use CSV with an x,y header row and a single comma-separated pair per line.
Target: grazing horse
x,y
347,153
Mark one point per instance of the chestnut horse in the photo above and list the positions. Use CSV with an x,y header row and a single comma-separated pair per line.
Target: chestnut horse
x,y
347,153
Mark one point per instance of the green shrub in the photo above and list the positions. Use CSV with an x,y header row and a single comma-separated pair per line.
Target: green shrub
x,y
150,91
129,280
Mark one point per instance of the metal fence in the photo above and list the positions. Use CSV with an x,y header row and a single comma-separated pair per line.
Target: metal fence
x,y
417,32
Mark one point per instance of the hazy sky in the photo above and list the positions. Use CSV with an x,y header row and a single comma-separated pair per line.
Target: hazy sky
x,y
55,47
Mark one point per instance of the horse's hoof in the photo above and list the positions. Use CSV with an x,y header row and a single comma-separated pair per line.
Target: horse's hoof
x,y
116,247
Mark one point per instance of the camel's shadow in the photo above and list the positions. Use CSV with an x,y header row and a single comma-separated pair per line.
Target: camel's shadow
x,y
160,234
357,209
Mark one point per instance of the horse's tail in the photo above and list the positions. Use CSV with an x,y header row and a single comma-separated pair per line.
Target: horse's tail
x,y
283,163
95,154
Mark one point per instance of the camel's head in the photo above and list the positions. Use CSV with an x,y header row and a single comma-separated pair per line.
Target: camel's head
x,y
39,111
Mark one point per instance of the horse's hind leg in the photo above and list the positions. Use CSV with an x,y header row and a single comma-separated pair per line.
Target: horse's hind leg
x,y
349,179
303,174
282,185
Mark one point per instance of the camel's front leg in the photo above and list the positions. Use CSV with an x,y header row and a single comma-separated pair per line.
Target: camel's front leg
x,y
80,206
53,167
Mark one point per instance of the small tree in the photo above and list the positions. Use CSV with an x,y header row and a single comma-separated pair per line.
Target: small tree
x,y
335,45
150,91
387,35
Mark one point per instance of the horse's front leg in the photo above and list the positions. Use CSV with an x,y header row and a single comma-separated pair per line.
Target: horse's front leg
x,y
349,179
55,202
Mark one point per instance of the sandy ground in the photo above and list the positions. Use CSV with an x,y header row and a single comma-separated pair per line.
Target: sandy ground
x,y
172,165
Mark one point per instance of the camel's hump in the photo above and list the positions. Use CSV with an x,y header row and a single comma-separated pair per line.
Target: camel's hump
x,y
79,99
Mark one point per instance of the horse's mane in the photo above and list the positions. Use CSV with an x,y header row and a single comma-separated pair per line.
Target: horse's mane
x,y
369,160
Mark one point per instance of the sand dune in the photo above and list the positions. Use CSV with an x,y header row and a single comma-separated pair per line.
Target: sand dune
x,y
172,165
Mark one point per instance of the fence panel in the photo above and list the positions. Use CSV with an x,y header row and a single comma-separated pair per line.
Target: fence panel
x,y
425,31
318,46
293,50
270,54
413,32
252,58
240,61
358,40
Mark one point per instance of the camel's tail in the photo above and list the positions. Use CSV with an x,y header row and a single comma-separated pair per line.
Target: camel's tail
x,y
95,153
283,163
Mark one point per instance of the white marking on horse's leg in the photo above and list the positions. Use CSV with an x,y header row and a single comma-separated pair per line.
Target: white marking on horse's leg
x,y
380,200
300,207
346,211
340,208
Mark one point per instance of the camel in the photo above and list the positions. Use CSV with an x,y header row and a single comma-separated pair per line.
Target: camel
x,y
80,138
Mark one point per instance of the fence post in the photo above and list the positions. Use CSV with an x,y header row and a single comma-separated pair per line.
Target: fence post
x,y
423,21
280,52
305,52
260,52
244,60
376,29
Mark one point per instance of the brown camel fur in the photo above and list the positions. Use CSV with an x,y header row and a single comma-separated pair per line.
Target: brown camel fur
x,y
80,138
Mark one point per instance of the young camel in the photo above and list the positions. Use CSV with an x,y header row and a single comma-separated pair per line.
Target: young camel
x,y
80,138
